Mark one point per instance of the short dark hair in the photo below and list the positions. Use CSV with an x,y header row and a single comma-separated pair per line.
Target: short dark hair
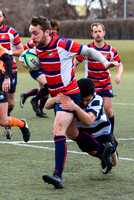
x,y
42,22
86,87
55,23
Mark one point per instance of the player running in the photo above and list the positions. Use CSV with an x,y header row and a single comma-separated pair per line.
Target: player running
x,y
97,72
56,58
9,38
5,75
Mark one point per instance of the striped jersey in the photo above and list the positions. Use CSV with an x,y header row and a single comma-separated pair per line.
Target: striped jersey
x,y
56,60
101,126
8,38
96,71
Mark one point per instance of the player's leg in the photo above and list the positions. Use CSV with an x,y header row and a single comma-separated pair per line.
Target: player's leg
x,y
8,121
108,108
114,155
24,96
61,123
40,77
11,102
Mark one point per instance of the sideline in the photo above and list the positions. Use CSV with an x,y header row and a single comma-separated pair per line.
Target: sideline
x,y
22,143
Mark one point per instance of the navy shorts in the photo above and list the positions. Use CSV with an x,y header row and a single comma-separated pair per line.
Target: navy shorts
x,y
3,95
36,73
13,83
75,97
106,93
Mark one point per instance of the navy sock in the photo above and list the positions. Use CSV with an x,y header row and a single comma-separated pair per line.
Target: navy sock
x,y
42,102
31,93
60,154
42,92
87,143
112,123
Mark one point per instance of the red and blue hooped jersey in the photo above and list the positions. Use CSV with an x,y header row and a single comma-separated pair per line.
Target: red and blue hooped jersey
x,y
96,71
9,37
57,62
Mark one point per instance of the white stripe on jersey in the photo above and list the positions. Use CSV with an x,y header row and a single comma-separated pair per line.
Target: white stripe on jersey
x,y
66,64
101,126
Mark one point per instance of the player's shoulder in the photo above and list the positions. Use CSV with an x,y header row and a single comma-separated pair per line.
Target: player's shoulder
x,y
12,30
97,99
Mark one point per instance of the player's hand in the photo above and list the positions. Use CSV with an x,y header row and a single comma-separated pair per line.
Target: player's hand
x,y
6,85
112,64
117,78
68,105
22,63
61,98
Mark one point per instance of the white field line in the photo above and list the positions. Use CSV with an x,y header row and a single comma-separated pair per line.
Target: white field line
x,y
121,104
21,143
124,104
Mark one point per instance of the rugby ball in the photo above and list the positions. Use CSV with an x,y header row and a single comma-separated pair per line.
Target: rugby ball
x,y
30,58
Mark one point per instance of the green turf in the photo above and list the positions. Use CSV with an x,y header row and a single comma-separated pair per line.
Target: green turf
x,y
23,166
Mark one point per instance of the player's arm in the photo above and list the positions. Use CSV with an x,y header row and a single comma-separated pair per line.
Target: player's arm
x,y
85,118
19,50
76,63
90,52
60,98
119,73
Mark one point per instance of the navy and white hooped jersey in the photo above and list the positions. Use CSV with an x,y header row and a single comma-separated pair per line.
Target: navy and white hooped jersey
x,y
101,126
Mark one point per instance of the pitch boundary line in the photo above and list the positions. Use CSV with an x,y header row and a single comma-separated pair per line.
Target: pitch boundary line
x,y
121,104
21,143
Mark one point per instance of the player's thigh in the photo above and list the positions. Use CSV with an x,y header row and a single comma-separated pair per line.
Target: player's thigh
x,y
62,121
41,80
108,101
72,131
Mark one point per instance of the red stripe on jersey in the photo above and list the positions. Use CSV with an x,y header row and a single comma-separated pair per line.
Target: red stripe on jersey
x,y
96,71
8,38
56,59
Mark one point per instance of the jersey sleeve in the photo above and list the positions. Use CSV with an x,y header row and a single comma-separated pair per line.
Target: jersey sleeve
x,y
16,36
28,45
70,46
80,58
116,56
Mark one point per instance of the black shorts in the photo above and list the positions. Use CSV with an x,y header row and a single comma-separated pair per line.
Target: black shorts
x,y
3,95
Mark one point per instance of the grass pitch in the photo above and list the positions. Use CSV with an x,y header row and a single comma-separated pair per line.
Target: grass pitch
x,y
23,164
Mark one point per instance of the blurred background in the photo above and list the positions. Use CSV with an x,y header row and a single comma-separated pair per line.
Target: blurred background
x,y
75,16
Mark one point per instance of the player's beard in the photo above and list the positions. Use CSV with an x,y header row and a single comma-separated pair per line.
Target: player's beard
x,y
42,42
